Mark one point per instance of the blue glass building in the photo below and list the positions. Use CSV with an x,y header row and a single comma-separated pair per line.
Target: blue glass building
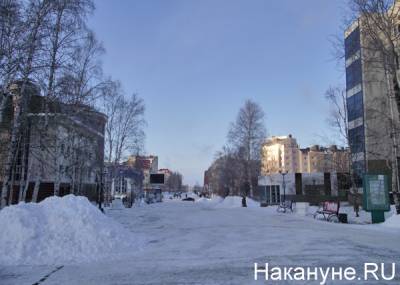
x,y
370,112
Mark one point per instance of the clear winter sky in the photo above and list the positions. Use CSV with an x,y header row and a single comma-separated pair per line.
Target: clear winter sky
x,y
195,62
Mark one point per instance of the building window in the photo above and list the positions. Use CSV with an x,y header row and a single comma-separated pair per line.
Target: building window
x,y
353,74
352,43
355,107
356,139
272,194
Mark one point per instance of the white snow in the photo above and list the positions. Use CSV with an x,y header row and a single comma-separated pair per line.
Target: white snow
x,y
392,222
303,209
189,243
236,202
228,202
212,201
60,231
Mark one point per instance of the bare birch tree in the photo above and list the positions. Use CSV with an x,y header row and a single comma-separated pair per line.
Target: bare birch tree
x,y
124,129
246,135
11,31
338,120
36,13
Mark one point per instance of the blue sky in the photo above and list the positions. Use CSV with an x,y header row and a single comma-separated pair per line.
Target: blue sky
x,y
195,62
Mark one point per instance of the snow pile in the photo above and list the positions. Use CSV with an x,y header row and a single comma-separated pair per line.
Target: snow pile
x,y
60,231
393,222
204,201
228,202
213,200
236,202
207,203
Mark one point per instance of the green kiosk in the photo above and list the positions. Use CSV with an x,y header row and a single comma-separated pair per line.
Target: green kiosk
x,y
376,196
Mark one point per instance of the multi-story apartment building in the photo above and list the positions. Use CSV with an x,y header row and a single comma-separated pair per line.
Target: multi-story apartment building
x,y
372,114
167,173
60,147
279,153
321,159
283,154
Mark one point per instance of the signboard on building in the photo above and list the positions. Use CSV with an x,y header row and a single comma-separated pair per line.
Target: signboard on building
x,y
376,193
157,178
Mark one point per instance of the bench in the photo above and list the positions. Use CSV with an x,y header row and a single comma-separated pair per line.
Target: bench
x,y
329,210
285,205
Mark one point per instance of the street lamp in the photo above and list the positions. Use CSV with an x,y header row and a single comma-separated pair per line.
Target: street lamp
x,y
283,173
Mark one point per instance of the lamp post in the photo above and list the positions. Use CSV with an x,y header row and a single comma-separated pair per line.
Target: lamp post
x,y
283,173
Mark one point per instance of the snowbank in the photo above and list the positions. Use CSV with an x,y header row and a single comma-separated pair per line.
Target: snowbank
x,y
213,200
60,231
209,203
392,222
236,202
227,202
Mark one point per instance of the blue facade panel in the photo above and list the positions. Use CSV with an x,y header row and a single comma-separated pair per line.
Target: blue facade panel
x,y
358,172
353,74
355,106
357,139
352,43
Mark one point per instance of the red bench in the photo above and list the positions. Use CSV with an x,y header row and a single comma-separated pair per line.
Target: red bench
x,y
329,210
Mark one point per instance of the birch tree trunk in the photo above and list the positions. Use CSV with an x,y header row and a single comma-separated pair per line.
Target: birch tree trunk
x,y
58,174
22,179
36,189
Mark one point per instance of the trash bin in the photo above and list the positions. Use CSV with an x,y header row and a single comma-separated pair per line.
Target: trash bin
x,y
343,218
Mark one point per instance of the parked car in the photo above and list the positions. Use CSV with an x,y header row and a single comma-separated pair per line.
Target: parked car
x,y
188,199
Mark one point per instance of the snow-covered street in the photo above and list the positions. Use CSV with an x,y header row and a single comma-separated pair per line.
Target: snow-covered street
x,y
198,243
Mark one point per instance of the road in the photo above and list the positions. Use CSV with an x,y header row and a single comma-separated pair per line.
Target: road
x,y
195,243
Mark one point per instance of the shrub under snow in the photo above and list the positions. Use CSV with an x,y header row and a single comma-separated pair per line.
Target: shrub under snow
x,y
60,231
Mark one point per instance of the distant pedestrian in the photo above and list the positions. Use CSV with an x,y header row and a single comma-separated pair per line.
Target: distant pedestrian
x,y
244,204
356,206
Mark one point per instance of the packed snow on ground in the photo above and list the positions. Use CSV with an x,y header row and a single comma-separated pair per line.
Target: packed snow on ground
x,y
59,231
192,244
227,202
392,222
209,201
236,202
